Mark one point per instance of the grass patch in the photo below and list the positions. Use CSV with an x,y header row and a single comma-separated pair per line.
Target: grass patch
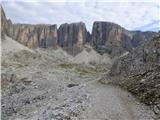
x,y
80,69
85,70
66,66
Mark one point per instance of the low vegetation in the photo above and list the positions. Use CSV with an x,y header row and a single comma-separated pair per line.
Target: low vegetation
x,y
80,69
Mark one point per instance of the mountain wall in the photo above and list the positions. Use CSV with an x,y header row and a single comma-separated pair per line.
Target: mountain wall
x,y
34,36
106,37
72,37
114,39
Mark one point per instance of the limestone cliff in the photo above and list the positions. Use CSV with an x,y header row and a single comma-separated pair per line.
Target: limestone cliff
x,y
34,36
29,35
72,37
106,37
114,39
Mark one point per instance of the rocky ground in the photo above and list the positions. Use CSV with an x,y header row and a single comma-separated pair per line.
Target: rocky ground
x,y
41,85
139,73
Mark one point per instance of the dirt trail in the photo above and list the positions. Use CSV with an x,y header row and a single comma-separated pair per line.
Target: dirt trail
x,y
112,103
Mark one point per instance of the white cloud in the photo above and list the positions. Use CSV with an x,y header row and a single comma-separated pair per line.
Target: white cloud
x,y
127,13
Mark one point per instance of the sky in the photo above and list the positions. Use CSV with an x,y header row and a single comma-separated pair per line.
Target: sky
x,y
131,14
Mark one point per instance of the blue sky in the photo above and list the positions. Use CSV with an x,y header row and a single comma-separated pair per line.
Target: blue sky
x,y
131,14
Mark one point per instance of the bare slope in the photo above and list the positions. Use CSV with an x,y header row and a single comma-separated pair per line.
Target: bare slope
x,y
90,56
10,45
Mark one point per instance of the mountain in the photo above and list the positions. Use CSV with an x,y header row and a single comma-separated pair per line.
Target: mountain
x,y
106,37
114,39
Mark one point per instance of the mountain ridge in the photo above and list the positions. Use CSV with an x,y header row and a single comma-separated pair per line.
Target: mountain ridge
x,y
106,37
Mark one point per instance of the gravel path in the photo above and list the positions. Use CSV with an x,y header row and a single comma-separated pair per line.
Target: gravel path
x,y
112,103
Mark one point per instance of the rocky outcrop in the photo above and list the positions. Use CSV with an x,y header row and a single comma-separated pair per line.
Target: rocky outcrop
x,y
143,58
72,37
114,39
141,37
139,73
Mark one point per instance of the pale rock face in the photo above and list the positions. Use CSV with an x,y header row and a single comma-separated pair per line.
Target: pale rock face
x,y
31,36
106,37
36,35
80,41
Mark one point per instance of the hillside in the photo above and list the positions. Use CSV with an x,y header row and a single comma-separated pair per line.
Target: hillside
x,y
9,45
139,73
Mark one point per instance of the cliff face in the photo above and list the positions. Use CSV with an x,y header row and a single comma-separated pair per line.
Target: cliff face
x,y
110,37
72,37
34,36
114,39
31,36
106,37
